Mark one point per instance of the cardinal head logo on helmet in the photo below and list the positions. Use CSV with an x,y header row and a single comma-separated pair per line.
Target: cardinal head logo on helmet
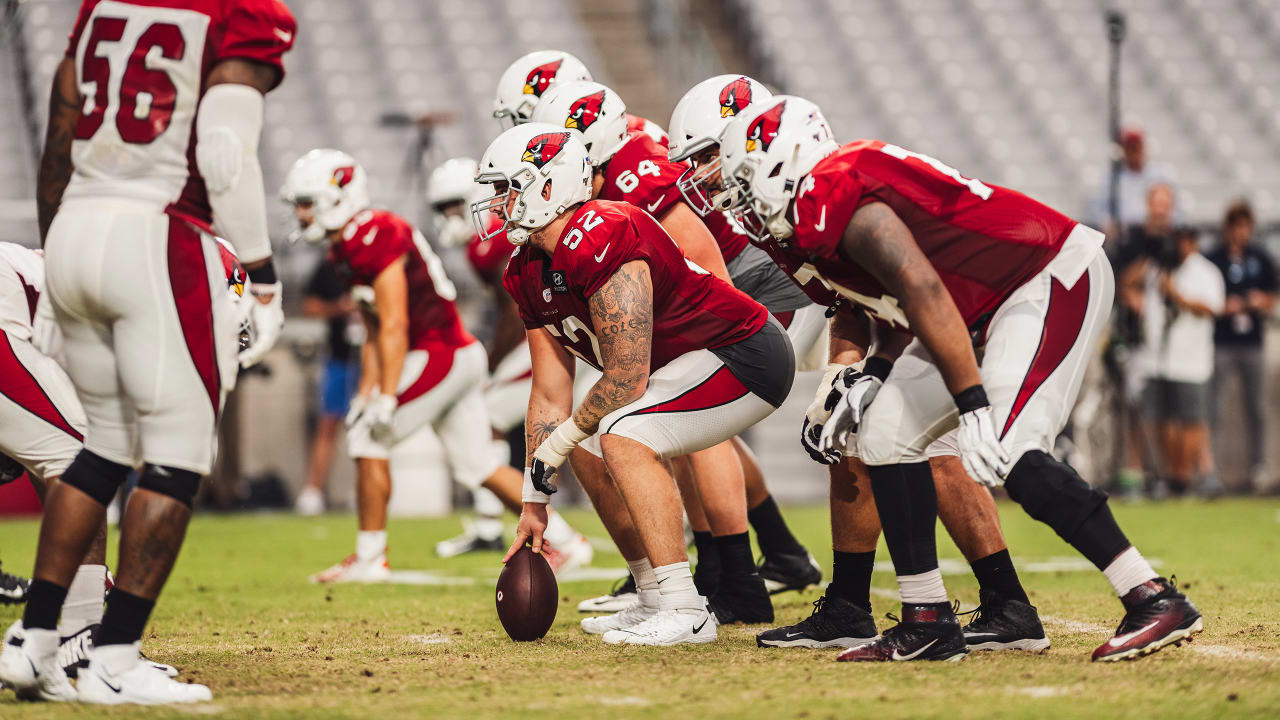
x,y
735,97
539,78
585,111
762,130
543,148
343,175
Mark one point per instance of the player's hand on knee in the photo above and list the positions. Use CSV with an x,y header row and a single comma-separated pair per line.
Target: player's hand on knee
x,y
380,413
533,523
265,320
981,453
860,389
829,391
355,413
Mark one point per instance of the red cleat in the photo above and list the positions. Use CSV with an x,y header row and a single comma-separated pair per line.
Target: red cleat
x,y
1156,615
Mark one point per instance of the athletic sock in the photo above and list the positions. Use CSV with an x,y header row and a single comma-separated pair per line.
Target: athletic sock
x,y
646,581
996,572
1128,571
558,532
489,511
851,577
125,618
735,554
83,606
370,544
771,530
923,588
487,527
908,508
44,605
676,590
708,568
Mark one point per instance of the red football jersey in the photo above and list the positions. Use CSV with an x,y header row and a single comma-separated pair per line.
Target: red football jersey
x,y
693,309
146,63
983,240
635,123
489,257
640,174
729,236
374,239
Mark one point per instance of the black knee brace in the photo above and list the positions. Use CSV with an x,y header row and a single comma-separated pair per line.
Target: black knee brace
x,y
96,476
181,485
1053,493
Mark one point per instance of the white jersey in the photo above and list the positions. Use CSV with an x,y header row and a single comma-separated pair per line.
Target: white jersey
x,y
141,67
21,282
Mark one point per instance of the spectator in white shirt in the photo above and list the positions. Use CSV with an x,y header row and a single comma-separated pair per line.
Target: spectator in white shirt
x,y
1182,292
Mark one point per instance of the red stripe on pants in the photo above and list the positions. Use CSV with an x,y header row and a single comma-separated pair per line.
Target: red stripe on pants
x,y
722,388
19,385
1062,324
439,363
189,281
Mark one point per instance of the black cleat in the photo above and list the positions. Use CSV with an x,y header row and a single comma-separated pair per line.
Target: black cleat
x,y
1156,615
786,571
741,598
834,623
926,632
13,589
1000,623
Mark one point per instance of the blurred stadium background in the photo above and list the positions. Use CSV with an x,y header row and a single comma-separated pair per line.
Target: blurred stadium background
x,y
1012,91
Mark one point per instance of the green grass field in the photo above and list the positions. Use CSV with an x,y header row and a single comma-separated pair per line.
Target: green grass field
x,y
239,616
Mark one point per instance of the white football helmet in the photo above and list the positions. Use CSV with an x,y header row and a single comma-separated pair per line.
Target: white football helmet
x,y
523,160
766,151
697,123
592,110
526,79
453,181
334,183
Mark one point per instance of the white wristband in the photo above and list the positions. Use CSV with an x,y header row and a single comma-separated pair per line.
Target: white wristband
x,y
560,443
530,494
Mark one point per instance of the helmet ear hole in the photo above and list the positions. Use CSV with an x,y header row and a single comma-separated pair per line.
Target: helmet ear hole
x,y
546,189
776,171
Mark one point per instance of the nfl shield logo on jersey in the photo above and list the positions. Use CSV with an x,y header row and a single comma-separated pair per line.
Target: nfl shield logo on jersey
x,y
546,294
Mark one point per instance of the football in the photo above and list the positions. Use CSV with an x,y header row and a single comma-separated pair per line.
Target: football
x,y
527,596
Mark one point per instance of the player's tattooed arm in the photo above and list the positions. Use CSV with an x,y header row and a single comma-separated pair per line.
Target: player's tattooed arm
x,y
551,394
880,242
55,161
622,315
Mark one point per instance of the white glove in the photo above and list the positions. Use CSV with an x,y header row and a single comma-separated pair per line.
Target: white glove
x,y
980,451
265,321
830,388
848,412
46,335
380,414
356,411
552,453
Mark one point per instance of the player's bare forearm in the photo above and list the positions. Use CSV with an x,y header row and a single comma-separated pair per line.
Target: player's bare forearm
x,y
850,337
695,240
391,301
551,394
55,160
622,314
889,343
880,242
509,332
393,345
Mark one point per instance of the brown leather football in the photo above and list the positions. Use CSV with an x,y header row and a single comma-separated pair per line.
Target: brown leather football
x,y
527,596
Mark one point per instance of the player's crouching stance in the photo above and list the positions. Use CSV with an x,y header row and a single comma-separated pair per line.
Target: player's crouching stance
x,y
687,360
942,263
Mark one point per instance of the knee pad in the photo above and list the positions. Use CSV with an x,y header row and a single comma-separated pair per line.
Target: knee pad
x,y
1053,493
96,476
181,485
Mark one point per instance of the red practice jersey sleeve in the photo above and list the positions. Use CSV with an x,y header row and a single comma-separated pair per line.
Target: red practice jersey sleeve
x,y
640,174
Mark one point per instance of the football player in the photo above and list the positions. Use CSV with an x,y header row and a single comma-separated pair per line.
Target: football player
x,y
419,364
631,167
450,192
942,263
682,357
842,618
132,180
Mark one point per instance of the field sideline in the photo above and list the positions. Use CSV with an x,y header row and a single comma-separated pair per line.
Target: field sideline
x,y
239,615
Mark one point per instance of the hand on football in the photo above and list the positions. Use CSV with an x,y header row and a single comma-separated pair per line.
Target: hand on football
x,y
983,456
266,318
859,390
533,523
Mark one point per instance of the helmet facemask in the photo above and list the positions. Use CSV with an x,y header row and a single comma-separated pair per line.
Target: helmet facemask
x,y
703,185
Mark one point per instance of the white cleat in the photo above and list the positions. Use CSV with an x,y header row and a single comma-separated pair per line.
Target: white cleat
x,y
575,554
630,617
668,627
353,569
310,502
117,675
623,596
29,665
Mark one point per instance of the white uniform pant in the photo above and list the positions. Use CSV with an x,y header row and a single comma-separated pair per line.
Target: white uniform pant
x,y
150,330
441,387
1038,345
41,422
807,328
506,395
692,403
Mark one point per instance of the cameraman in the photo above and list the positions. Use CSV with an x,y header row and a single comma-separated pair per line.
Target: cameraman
x,y
1181,293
